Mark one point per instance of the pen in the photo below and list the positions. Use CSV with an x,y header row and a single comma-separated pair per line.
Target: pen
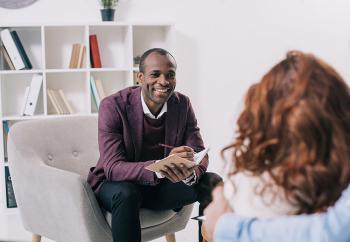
x,y
166,146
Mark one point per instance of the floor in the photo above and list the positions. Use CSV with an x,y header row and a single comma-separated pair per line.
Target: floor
x,y
11,229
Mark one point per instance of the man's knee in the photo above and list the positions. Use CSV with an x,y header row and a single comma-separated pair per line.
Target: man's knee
x,y
205,186
128,193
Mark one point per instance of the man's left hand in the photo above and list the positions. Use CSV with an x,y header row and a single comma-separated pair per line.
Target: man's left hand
x,y
177,172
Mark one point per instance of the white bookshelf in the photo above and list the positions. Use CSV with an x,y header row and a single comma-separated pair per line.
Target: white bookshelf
x,y
49,47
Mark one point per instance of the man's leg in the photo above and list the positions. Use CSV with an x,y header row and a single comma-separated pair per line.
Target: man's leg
x,y
123,200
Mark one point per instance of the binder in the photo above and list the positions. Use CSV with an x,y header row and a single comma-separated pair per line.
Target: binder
x,y
21,50
11,49
34,91
26,94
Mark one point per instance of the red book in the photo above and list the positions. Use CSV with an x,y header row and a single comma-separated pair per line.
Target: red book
x,y
94,52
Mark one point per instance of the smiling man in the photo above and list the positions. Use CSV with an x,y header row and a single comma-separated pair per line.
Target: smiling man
x,y
132,124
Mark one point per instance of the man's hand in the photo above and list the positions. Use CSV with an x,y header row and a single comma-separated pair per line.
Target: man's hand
x,y
179,172
218,207
183,152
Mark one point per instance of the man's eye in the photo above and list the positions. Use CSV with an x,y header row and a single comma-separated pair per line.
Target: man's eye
x,y
171,76
154,75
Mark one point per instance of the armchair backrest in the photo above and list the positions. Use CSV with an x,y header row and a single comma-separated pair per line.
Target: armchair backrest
x,y
68,143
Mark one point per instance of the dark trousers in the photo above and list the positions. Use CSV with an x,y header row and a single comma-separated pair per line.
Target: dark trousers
x,y
124,200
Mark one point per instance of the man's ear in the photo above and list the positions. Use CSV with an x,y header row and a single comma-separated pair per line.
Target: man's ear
x,y
140,77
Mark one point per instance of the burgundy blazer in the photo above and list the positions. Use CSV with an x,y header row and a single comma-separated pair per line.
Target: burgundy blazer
x,y
120,129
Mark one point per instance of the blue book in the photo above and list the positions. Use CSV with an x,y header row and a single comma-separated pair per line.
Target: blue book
x,y
94,91
21,50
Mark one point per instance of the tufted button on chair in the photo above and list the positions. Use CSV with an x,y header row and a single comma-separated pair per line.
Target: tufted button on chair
x,y
49,161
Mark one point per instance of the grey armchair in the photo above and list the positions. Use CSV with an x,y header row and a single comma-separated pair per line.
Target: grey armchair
x,y
49,160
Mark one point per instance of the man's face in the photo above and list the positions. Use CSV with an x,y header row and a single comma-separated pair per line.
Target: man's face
x,y
158,82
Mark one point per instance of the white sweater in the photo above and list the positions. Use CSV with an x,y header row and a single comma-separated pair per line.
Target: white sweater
x,y
242,191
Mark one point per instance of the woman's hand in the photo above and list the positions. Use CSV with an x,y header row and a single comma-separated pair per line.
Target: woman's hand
x,y
218,207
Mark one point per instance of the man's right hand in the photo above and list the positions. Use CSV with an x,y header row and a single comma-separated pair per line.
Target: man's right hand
x,y
185,152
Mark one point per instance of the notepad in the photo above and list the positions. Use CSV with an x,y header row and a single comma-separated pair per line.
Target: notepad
x,y
174,159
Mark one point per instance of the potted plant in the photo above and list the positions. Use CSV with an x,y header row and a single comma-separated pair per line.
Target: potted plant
x,y
108,9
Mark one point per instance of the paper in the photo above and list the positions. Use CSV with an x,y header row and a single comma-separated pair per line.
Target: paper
x,y
174,159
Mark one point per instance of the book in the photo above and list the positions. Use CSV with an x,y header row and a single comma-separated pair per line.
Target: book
x,y
174,159
26,94
34,91
12,49
10,195
9,65
94,91
66,103
100,90
21,50
94,52
54,106
74,56
81,55
6,129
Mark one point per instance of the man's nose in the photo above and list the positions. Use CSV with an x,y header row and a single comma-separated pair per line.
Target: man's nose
x,y
163,80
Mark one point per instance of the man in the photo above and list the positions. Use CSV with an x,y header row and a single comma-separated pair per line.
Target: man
x,y
222,225
134,126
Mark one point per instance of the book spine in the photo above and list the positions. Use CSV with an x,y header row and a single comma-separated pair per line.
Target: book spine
x,y
10,195
81,56
53,101
11,49
26,95
65,101
7,59
95,52
94,91
21,50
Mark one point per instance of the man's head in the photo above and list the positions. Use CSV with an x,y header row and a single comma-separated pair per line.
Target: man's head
x,y
157,77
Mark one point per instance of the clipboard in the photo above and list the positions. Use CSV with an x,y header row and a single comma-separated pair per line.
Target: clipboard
x,y
174,159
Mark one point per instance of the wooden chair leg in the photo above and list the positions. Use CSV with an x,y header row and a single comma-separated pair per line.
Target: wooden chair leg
x,y
36,238
170,238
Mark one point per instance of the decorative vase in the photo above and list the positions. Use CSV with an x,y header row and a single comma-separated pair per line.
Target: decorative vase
x,y
107,14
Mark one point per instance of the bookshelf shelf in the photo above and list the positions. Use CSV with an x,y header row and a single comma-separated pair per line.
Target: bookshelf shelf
x,y
49,49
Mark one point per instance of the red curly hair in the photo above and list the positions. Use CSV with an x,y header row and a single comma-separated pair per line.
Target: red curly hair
x,y
296,126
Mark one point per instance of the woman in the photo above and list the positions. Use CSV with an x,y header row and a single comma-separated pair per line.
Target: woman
x,y
291,155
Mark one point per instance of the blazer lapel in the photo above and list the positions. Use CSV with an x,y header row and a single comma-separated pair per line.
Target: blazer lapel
x,y
171,122
135,118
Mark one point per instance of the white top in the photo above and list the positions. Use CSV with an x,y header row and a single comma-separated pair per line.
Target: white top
x,y
243,193
148,113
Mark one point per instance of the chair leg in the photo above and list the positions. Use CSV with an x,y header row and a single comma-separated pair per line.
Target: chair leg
x,y
170,238
36,238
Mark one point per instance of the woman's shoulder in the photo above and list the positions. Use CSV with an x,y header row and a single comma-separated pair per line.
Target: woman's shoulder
x,y
257,196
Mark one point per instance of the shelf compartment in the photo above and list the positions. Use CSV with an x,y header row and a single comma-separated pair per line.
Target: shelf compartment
x,y
13,88
59,42
114,47
73,84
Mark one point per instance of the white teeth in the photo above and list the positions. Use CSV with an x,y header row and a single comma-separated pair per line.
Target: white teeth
x,y
162,90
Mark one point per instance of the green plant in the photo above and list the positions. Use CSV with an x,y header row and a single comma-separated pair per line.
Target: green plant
x,y
108,4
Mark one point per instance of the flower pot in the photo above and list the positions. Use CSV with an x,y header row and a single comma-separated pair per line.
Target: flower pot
x,y
107,14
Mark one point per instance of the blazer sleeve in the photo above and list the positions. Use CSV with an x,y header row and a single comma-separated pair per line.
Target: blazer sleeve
x,y
112,149
194,139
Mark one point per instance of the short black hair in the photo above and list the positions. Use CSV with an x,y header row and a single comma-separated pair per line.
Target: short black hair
x,y
150,51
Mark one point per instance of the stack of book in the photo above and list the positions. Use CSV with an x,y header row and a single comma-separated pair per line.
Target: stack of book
x,y
97,90
13,51
59,103
77,56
